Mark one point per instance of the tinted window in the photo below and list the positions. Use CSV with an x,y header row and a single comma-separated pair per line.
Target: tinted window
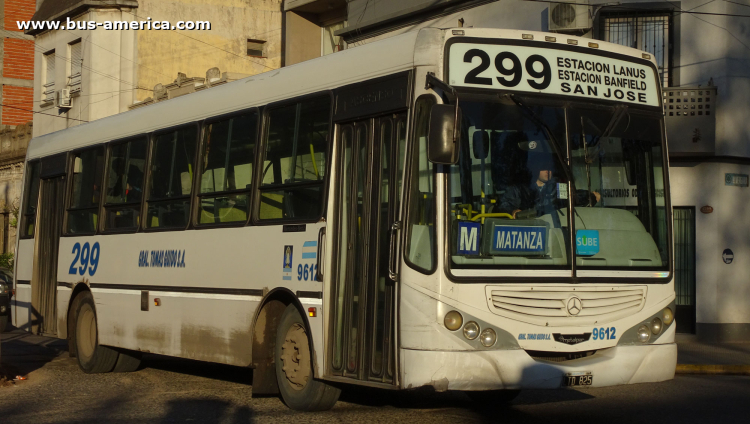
x,y
171,179
227,170
31,198
295,160
83,209
127,162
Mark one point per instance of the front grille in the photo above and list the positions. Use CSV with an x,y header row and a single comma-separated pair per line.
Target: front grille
x,y
558,356
547,305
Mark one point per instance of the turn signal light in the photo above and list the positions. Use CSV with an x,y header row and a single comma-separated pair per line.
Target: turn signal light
x,y
453,320
667,316
312,312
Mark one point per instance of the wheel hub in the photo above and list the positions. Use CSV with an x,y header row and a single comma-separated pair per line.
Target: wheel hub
x,y
295,355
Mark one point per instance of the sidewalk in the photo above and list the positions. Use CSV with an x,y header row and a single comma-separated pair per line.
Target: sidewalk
x,y
694,357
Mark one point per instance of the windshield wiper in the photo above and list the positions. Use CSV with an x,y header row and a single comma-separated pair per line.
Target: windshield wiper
x,y
555,143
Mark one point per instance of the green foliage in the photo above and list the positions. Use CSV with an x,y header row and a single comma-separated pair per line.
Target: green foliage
x,y
6,260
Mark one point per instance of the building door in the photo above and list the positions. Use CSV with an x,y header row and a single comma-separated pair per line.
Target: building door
x,y
684,268
44,279
371,157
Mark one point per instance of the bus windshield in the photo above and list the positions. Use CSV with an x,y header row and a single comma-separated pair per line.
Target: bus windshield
x,y
524,168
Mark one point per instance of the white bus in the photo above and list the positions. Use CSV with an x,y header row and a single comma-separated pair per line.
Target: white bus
x,y
470,209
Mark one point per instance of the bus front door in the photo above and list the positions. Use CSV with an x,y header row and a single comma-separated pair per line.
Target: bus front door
x,y
371,157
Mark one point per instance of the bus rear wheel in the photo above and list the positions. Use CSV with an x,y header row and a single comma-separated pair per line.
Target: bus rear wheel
x,y
92,357
298,389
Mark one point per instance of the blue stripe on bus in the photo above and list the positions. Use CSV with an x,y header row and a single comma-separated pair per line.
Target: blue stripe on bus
x,y
286,278
310,244
312,255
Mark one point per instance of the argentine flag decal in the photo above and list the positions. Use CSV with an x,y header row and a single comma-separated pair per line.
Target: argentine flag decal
x,y
310,250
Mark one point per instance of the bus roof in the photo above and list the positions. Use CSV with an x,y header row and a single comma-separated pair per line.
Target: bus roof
x,y
379,58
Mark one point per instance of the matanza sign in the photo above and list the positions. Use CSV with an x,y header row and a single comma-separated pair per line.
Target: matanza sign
x,y
552,71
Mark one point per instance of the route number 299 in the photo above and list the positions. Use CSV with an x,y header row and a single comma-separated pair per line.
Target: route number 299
x,y
510,69
87,256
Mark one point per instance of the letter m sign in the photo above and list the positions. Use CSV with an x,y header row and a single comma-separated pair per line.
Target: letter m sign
x,y
468,238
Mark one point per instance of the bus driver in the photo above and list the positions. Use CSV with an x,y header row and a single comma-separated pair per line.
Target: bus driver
x,y
541,194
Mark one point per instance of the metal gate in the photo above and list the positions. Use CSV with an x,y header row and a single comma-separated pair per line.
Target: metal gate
x,y
684,268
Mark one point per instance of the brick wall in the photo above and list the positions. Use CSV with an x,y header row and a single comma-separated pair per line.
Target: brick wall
x,y
17,10
18,63
18,59
18,97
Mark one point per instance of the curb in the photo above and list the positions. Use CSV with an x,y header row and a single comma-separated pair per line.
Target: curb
x,y
713,369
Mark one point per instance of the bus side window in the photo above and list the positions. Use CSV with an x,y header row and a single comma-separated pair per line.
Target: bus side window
x,y
171,178
30,199
294,166
83,209
124,184
420,231
227,169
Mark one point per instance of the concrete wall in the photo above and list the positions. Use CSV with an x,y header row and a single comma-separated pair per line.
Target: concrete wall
x,y
162,54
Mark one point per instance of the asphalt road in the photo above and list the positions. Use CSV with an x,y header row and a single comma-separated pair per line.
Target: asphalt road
x,y
168,390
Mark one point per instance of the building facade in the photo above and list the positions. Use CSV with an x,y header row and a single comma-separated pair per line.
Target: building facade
x,y
87,74
703,53
16,97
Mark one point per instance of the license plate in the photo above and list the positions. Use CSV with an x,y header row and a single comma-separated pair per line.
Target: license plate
x,y
584,378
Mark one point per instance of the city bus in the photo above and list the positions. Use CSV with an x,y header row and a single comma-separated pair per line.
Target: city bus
x,y
478,210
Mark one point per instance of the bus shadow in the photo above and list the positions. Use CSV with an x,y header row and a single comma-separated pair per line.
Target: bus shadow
x,y
210,370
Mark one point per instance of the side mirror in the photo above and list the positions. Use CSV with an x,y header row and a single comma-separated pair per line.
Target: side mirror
x,y
441,148
481,144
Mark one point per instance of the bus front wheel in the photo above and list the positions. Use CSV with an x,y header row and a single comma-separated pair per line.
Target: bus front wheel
x,y
298,389
92,357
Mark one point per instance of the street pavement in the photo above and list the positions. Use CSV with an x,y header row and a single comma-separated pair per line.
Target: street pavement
x,y
168,390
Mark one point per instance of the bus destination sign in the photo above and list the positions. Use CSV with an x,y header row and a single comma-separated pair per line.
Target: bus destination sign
x,y
552,71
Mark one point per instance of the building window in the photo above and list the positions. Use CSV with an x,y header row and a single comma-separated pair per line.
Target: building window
x,y
646,31
329,42
48,88
256,48
76,64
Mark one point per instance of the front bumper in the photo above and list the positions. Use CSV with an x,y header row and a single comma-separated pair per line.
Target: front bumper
x,y
515,369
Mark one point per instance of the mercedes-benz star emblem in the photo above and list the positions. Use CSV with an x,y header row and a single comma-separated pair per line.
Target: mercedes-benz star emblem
x,y
574,306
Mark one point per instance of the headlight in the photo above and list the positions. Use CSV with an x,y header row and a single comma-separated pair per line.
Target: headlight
x,y
667,316
453,320
488,337
3,288
643,334
471,330
656,326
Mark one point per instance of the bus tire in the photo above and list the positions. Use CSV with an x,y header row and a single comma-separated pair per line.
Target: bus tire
x,y
3,323
299,391
128,361
92,357
493,397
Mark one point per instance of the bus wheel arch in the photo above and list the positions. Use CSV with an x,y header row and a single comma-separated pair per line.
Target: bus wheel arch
x,y
265,325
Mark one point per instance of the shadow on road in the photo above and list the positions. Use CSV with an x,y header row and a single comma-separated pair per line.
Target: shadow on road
x,y
27,352
183,410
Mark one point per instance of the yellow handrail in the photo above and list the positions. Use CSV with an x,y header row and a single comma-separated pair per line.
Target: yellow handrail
x,y
492,215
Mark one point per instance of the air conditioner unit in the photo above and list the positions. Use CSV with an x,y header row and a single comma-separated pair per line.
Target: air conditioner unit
x,y
570,16
62,98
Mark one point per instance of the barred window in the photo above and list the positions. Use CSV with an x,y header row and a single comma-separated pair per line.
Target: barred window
x,y
646,31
